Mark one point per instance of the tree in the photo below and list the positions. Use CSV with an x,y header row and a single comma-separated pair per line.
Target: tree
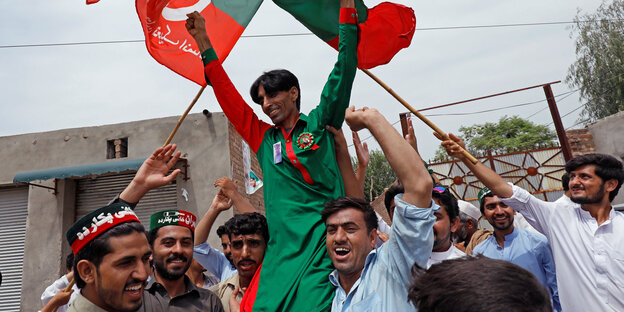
x,y
599,68
509,134
379,174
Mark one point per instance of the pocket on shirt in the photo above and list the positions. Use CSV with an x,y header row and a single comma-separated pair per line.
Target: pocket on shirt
x,y
368,304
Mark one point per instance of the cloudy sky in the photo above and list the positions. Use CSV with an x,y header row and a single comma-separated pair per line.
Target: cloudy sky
x,y
55,87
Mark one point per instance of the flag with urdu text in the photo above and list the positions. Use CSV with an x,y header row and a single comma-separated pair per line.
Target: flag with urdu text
x,y
169,43
383,30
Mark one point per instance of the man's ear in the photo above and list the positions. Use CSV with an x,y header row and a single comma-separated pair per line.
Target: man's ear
x,y
372,237
610,185
293,93
455,224
87,271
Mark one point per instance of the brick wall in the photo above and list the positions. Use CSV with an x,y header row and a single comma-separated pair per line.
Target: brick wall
x,y
236,157
581,141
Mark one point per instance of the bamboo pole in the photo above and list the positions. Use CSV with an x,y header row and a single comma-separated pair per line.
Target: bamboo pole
x,y
417,113
188,109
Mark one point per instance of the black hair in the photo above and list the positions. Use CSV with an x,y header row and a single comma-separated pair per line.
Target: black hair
x,y
500,286
69,261
565,182
370,217
607,168
95,250
275,81
248,223
222,230
482,201
448,201
391,192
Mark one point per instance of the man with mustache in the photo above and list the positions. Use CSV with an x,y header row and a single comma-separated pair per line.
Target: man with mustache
x,y
171,239
111,262
249,234
586,240
525,248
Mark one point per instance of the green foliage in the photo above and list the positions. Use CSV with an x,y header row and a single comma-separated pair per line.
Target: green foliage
x,y
599,68
381,173
508,135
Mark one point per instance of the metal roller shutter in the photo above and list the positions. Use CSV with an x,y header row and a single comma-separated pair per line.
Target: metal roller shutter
x,y
92,194
13,214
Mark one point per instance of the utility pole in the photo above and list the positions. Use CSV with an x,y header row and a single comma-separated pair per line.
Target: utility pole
x,y
563,138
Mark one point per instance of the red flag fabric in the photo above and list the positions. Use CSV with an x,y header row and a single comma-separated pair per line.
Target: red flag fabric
x,y
383,30
169,43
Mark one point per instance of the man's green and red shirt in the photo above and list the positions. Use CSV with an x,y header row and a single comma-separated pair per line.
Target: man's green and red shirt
x,y
296,267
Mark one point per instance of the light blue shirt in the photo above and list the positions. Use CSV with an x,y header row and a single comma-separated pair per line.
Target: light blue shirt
x,y
387,272
529,250
214,261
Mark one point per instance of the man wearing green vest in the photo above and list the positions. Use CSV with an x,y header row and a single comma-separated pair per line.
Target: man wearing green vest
x,y
297,157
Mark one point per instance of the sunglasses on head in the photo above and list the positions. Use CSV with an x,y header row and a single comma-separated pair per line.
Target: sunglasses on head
x,y
440,189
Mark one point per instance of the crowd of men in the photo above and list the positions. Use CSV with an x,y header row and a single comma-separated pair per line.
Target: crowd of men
x,y
322,247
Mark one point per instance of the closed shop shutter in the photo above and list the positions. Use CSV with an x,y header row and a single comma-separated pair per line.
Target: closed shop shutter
x,y
94,193
13,214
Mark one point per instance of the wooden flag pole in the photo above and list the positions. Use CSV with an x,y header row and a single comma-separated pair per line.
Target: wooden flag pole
x,y
71,284
417,113
188,109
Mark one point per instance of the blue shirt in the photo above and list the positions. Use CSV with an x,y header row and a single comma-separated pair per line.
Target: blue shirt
x,y
529,250
386,274
214,261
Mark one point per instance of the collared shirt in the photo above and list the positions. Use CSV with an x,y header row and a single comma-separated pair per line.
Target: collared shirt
x,y
451,253
300,176
214,261
209,280
565,201
383,284
589,257
225,289
528,250
82,304
156,298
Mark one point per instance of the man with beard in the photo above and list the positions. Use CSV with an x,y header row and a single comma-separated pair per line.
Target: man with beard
x,y
111,262
468,224
524,248
586,240
447,222
171,239
249,234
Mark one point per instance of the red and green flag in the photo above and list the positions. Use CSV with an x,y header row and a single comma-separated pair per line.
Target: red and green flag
x,y
169,43
383,30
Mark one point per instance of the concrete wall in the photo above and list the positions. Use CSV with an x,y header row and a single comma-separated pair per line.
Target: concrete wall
x,y
608,136
203,141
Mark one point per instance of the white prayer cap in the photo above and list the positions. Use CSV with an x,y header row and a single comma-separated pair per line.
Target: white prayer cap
x,y
469,209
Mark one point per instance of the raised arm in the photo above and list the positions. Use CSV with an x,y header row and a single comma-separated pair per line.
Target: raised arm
x,y
351,184
486,175
153,173
219,203
228,187
232,103
403,159
337,91
363,157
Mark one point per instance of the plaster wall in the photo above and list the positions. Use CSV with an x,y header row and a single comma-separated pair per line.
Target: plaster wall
x,y
608,136
202,140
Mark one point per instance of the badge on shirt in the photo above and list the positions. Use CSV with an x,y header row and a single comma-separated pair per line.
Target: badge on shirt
x,y
277,153
305,141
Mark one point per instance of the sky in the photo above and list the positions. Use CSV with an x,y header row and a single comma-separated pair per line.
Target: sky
x,y
57,87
